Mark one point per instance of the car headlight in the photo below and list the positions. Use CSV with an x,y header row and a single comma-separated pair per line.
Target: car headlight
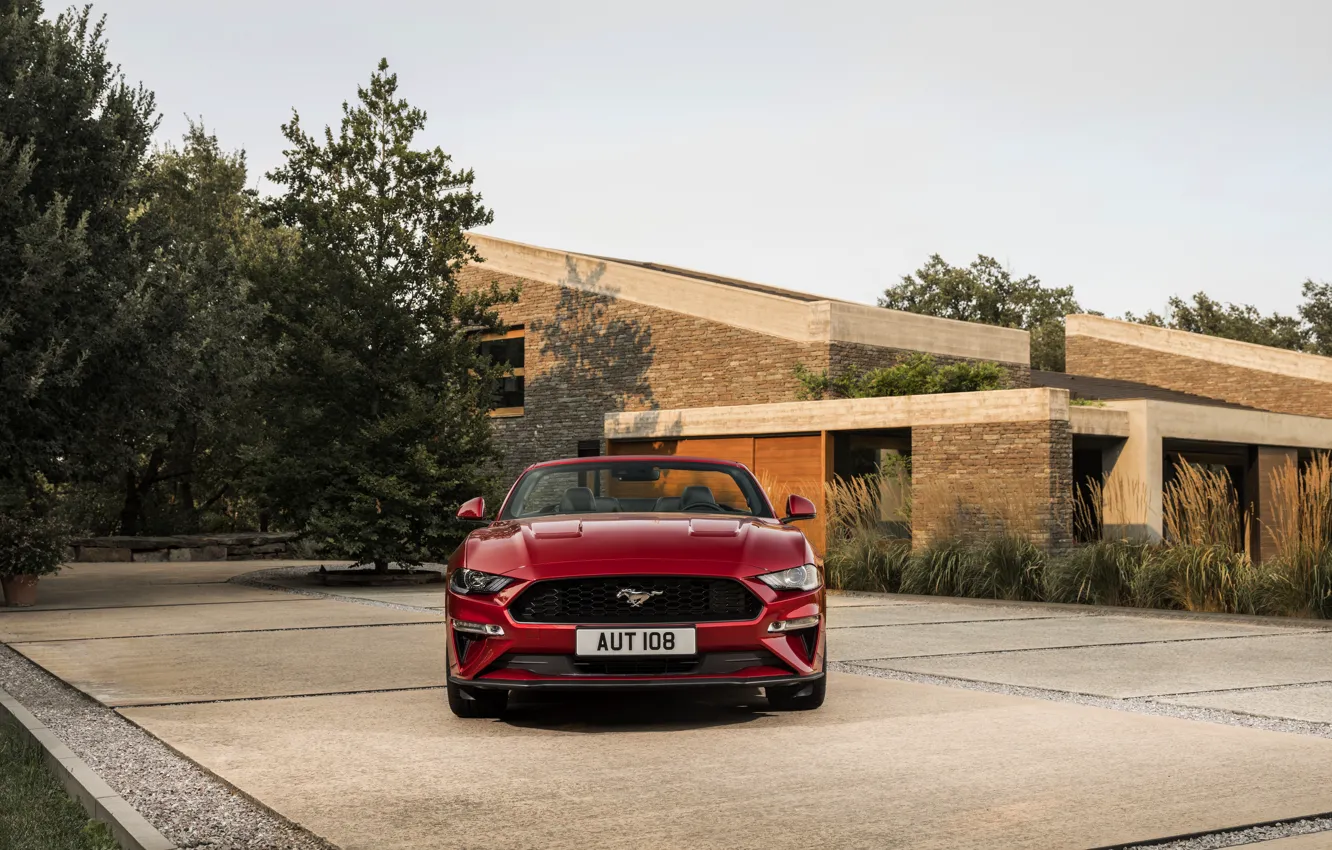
x,y
803,577
475,581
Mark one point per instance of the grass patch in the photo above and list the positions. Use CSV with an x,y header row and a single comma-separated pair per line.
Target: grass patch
x,y
35,811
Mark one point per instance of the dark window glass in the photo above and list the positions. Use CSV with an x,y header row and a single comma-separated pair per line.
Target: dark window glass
x,y
506,352
509,392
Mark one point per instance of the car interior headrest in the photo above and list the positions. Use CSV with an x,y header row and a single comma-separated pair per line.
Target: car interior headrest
x,y
577,500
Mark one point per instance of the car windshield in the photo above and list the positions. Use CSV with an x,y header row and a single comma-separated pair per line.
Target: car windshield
x,y
637,486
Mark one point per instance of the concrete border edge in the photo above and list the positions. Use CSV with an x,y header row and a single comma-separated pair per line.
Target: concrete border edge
x,y
131,830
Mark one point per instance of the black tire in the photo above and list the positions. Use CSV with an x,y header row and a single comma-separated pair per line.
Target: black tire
x,y
805,696
477,702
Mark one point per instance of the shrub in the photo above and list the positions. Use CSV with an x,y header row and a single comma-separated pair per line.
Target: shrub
x,y
919,374
865,560
33,536
1095,574
946,568
1212,578
1011,568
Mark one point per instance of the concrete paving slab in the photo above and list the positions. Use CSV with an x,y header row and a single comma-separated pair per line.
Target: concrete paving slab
x,y
141,671
1001,635
839,600
70,595
298,613
398,596
884,764
919,612
1312,703
1152,669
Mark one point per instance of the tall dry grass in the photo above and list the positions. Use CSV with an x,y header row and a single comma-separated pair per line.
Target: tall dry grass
x,y
1201,508
1114,508
1300,525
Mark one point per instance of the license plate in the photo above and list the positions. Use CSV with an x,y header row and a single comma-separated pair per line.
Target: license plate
x,y
635,642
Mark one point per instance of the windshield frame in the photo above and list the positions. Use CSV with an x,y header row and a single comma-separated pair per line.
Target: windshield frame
x,y
746,481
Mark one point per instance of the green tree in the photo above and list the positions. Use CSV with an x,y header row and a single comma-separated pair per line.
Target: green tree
x,y
1243,322
1316,311
73,135
986,292
378,404
196,331
918,374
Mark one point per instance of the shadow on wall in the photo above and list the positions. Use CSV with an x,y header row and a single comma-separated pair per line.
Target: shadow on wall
x,y
594,357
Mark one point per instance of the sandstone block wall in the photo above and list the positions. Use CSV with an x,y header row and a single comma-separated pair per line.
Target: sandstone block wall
x,y
975,479
1256,388
589,353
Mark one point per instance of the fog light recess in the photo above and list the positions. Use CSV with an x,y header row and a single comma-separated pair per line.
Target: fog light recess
x,y
793,624
484,629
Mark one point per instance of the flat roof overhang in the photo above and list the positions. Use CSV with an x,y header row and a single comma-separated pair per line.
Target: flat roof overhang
x,y
1178,421
1117,419
850,414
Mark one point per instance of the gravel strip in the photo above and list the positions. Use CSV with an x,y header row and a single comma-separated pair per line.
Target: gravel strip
x,y
187,805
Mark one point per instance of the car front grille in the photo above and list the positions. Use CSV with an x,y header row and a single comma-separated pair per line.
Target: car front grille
x,y
673,599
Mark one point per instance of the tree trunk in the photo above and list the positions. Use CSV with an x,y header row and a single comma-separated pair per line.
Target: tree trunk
x,y
133,506
381,565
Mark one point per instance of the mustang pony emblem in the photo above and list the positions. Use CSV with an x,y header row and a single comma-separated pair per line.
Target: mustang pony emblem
x,y
636,598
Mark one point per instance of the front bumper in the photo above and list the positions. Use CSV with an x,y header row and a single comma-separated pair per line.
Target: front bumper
x,y
542,655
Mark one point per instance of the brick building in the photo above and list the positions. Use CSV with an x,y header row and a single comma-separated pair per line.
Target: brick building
x,y
612,356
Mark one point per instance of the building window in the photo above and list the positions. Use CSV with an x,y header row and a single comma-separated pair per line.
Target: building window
x,y
506,349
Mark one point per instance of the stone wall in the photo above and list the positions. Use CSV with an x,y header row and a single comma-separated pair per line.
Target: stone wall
x,y
241,546
1259,388
973,479
587,354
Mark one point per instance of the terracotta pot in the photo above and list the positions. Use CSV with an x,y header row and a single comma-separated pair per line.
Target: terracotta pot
x,y
20,591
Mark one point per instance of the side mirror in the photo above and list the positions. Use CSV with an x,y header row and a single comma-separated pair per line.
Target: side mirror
x,y
473,509
798,508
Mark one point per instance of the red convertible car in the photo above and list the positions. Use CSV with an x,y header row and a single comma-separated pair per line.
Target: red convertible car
x,y
635,572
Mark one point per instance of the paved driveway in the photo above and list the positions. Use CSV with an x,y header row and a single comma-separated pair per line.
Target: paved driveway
x,y
330,711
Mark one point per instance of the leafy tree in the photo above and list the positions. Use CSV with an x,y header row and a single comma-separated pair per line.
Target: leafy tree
x,y
1243,322
919,374
196,332
1316,311
73,135
986,292
378,405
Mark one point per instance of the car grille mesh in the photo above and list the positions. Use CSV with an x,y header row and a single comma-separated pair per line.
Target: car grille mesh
x,y
675,599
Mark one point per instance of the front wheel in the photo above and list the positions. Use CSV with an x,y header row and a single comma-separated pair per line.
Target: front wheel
x,y
476,702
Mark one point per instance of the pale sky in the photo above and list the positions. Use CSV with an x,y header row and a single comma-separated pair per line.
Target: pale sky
x,y
1133,149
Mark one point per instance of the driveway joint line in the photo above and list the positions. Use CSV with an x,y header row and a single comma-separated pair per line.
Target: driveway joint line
x,y
1245,688
121,707
949,622
40,610
1079,646
231,632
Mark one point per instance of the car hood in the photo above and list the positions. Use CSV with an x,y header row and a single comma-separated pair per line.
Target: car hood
x,y
558,545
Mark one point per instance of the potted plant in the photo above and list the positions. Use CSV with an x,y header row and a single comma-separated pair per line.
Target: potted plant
x,y
33,538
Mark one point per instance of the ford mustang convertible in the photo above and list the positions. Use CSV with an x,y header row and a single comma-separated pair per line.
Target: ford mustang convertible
x,y
635,572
